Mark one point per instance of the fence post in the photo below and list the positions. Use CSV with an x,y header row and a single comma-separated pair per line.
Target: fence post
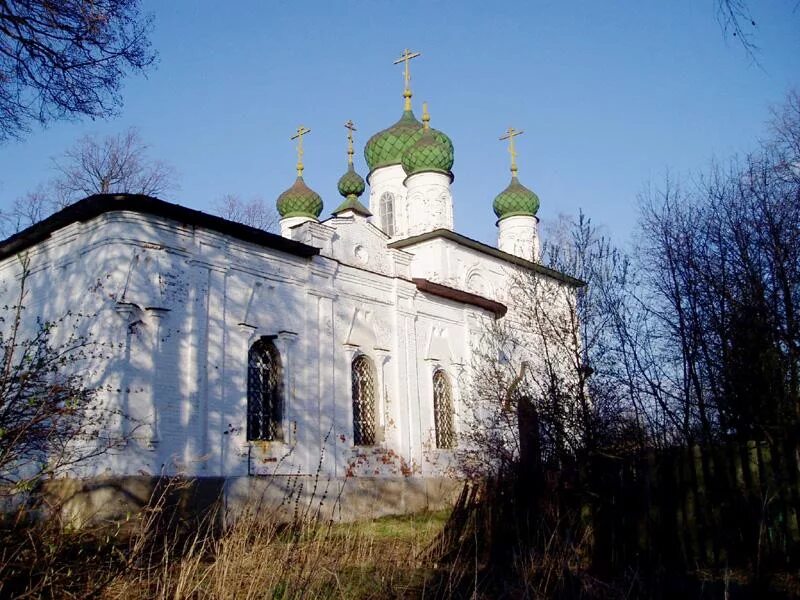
x,y
691,504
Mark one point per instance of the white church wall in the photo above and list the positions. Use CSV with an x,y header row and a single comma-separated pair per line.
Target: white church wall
x,y
180,306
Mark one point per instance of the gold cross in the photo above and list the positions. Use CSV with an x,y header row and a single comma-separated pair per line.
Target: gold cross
x,y
301,131
405,58
510,135
350,129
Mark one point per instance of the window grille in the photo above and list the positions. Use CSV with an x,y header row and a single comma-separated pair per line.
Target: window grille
x,y
363,374
443,411
387,213
264,392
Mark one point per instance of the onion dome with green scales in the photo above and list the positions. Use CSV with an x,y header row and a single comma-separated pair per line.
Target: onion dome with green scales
x,y
299,200
432,152
387,147
351,184
516,199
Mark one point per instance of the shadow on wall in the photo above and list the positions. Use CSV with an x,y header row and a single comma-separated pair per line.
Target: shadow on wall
x,y
117,499
288,498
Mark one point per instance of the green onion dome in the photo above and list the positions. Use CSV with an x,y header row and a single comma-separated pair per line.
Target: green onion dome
x,y
351,183
516,200
351,186
299,201
387,147
433,151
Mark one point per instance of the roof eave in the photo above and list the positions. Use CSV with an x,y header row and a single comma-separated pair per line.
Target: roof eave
x,y
99,204
456,295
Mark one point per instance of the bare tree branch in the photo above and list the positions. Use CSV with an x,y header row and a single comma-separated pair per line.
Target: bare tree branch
x,y
67,59
51,421
255,212
735,18
114,164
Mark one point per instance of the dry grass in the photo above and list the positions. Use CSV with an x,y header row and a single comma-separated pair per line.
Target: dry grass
x,y
473,553
259,558
155,556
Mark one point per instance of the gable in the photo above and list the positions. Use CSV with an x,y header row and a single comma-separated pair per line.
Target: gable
x,y
358,243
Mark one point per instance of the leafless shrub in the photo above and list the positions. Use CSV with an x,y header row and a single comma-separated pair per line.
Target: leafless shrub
x,y
51,420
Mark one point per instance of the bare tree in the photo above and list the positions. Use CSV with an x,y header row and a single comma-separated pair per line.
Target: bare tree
x,y
545,389
255,212
721,285
27,210
785,141
67,59
113,164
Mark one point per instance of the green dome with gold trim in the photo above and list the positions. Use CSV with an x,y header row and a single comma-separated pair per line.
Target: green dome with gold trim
x,y
516,200
299,201
387,147
433,151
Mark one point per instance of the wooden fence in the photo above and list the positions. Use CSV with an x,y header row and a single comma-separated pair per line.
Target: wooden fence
x,y
728,505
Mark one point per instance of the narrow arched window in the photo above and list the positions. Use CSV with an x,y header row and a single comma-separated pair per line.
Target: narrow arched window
x,y
443,410
363,379
264,392
387,213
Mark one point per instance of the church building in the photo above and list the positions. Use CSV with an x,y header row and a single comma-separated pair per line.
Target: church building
x,y
331,361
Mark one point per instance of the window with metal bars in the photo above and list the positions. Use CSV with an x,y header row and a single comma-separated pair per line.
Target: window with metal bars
x,y
443,410
363,381
387,213
264,392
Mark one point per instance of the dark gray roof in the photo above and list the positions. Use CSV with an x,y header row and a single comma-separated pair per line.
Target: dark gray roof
x,y
99,204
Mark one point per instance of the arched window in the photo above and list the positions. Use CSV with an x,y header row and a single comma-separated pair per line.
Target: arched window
x,y
264,392
363,376
443,410
387,213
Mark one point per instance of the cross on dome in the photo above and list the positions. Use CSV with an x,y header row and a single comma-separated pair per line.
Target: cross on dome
x,y
405,58
509,135
301,131
350,129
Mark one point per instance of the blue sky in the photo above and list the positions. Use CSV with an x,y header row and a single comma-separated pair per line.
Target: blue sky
x,y
611,95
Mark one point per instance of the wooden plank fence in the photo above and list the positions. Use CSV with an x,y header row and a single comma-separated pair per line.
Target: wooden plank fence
x,y
727,505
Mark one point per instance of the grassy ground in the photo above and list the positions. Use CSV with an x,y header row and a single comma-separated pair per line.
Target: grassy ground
x,y
254,558
383,558
392,557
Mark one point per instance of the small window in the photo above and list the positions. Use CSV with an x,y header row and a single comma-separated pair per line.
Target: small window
x,y
363,376
387,213
264,392
443,410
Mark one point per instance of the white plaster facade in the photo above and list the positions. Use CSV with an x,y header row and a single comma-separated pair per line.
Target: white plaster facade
x,y
179,297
